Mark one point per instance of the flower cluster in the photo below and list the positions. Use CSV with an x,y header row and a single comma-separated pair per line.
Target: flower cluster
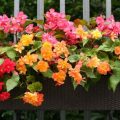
x,y
58,21
13,24
58,50
108,26
6,67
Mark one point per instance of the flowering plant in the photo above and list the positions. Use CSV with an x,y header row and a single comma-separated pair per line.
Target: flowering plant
x,y
57,49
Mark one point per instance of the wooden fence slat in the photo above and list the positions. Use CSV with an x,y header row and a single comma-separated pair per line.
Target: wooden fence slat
x,y
62,6
62,115
86,10
87,115
40,115
108,8
40,9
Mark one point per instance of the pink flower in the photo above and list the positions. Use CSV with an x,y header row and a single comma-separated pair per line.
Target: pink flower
x,y
58,21
50,38
29,29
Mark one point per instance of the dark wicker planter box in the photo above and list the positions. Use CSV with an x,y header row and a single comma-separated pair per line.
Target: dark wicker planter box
x,y
64,97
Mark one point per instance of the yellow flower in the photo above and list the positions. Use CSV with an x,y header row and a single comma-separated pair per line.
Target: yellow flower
x,y
19,47
42,66
35,98
46,51
61,48
27,39
30,58
81,32
96,34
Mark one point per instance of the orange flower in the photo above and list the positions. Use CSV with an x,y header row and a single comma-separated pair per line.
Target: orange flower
x,y
93,62
19,47
46,51
117,50
35,98
60,48
80,32
63,65
75,73
103,68
59,77
42,66
27,39
30,58
20,66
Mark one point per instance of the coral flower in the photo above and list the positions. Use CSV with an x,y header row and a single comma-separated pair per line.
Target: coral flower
x,y
4,96
27,39
117,50
75,73
19,47
30,58
61,48
93,62
59,77
35,98
42,66
96,34
46,51
103,68
63,65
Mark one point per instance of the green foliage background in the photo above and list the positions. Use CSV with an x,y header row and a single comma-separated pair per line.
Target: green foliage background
x,y
73,7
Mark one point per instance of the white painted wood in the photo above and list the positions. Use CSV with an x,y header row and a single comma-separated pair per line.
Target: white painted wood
x,y
16,11
62,6
108,8
16,7
86,10
40,9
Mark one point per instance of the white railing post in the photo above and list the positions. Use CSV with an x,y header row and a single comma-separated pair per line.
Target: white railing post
x,y
16,11
62,6
40,9
86,10
108,8
16,7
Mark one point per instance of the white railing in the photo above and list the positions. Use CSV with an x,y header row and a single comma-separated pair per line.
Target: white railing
x,y
86,8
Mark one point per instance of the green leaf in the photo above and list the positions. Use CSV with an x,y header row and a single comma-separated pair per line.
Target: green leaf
x,y
40,22
12,83
115,78
90,73
73,48
68,17
103,56
36,86
4,49
37,44
74,84
1,61
85,41
48,74
11,54
107,46
74,58
30,78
